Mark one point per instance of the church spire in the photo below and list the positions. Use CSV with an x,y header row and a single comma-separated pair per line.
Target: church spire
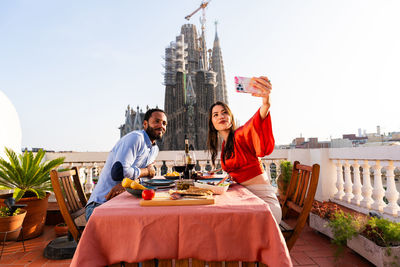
x,y
218,67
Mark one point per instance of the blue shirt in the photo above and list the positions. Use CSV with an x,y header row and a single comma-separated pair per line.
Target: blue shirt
x,y
134,151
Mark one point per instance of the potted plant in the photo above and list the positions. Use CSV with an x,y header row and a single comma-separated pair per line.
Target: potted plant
x,y
378,242
321,214
29,177
284,177
344,226
11,219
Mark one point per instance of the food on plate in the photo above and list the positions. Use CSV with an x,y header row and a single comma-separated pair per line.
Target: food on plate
x,y
174,173
192,192
148,194
184,184
216,188
126,182
136,185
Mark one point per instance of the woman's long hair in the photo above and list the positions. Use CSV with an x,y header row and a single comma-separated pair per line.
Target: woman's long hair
x,y
212,140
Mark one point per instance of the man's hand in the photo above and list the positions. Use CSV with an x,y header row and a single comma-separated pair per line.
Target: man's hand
x,y
149,171
152,171
115,191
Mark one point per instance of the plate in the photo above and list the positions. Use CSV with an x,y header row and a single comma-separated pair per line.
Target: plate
x,y
137,192
159,182
134,192
212,180
171,177
216,189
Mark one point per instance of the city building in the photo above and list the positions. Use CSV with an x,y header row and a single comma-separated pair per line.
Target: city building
x,y
194,79
133,120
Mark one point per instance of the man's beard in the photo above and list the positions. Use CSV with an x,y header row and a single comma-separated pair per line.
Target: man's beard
x,y
151,132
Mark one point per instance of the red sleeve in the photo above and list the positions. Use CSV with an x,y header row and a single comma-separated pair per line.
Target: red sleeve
x,y
258,135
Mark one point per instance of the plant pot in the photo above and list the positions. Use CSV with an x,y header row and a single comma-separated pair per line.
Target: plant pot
x,y
320,224
374,253
10,225
281,186
61,229
35,216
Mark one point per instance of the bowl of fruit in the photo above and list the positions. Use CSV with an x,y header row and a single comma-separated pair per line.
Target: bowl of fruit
x,y
135,188
172,175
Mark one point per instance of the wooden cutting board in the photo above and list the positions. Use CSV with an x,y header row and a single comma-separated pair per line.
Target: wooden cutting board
x,y
163,199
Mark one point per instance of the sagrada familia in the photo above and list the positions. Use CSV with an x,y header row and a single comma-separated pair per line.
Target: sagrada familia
x,y
194,79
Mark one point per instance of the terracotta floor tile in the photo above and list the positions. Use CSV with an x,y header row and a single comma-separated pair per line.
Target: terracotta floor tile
x,y
302,258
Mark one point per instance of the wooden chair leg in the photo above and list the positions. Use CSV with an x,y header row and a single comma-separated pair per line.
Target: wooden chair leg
x,y
182,263
198,263
164,263
149,263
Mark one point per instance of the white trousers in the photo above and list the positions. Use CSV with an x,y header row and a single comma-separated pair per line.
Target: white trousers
x,y
267,193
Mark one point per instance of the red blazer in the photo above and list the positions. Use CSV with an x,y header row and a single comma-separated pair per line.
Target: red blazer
x,y
252,140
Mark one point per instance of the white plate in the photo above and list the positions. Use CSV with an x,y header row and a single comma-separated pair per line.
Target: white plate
x,y
216,189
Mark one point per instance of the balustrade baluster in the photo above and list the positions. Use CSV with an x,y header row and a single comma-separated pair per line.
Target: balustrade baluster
x,y
357,184
366,189
158,165
339,182
391,192
170,165
378,192
89,181
202,165
348,185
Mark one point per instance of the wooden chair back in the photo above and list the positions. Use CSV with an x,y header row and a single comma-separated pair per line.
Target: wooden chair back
x,y
299,197
70,198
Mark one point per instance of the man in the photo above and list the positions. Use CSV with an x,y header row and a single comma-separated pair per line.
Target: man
x,y
132,156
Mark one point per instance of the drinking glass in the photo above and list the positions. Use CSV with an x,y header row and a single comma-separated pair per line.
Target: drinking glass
x,y
179,164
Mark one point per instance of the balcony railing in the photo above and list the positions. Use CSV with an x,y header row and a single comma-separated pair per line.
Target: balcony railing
x,y
361,178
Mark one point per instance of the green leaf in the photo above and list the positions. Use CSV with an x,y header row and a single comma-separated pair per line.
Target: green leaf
x,y
18,194
27,172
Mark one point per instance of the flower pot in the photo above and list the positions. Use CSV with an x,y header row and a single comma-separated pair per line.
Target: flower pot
x,y
11,225
36,210
61,229
374,253
321,225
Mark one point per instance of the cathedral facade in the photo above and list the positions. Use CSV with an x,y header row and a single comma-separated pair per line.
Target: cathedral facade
x,y
194,79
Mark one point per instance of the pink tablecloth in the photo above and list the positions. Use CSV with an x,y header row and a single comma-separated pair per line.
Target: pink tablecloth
x,y
239,226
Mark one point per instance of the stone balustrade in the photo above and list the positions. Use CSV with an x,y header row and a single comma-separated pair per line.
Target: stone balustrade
x,y
361,178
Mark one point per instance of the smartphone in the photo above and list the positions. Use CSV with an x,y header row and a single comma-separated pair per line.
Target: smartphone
x,y
242,85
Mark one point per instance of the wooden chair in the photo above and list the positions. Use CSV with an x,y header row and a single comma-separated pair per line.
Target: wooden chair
x,y
299,197
70,198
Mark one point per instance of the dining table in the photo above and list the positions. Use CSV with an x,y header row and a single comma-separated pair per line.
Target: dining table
x,y
239,226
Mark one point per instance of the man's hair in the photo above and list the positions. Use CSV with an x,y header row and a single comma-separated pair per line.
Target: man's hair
x,y
148,113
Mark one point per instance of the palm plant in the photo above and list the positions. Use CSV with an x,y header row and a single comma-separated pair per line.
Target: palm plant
x,y
27,173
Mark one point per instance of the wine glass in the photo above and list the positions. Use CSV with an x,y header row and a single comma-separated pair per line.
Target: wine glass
x,y
191,160
179,164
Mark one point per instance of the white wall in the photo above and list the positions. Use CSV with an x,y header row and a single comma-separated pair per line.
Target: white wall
x,y
10,127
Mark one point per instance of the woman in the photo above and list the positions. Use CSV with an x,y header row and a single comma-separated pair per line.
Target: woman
x,y
241,147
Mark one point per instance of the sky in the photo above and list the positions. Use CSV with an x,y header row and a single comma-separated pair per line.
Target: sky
x,y
71,68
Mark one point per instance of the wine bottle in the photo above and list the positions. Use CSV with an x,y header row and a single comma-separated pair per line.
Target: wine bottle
x,y
187,155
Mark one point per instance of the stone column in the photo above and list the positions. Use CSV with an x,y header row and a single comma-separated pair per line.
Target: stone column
x,y
89,181
348,186
391,192
339,182
378,192
357,184
366,188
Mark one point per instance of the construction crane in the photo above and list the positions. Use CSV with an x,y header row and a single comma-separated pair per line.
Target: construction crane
x,y
203,5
